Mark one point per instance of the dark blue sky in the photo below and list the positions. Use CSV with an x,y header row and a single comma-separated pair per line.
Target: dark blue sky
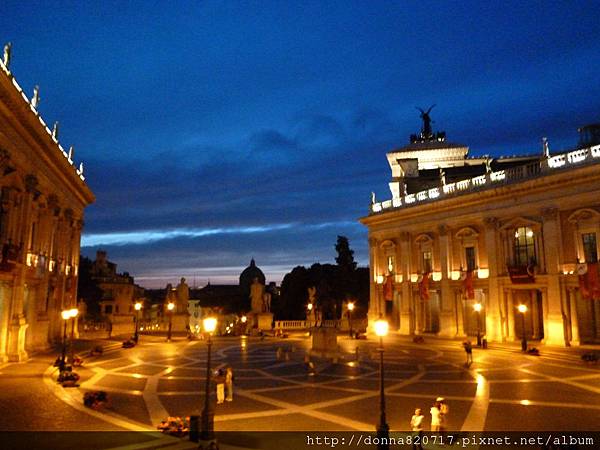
x,y
213,132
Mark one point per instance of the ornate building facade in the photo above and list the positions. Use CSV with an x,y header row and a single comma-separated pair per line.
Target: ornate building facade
x,y
43,196
461,234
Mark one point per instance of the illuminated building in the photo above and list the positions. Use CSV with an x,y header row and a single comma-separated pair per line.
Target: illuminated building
x,y
460,231
43,196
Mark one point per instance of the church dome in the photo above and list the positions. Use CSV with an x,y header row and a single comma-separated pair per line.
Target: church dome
x,y
249,274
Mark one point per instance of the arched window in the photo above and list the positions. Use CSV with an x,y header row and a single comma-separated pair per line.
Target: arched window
x,y
524,246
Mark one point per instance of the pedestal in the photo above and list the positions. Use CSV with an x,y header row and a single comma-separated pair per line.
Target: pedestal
x,y
264,321
324,342
180,322
16,340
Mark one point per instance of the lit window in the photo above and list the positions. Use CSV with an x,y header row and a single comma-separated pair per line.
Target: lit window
x,y
470,258
426,261
524,246
590,249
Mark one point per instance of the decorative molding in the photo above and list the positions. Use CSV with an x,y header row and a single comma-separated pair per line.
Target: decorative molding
x,y
550,213
443,229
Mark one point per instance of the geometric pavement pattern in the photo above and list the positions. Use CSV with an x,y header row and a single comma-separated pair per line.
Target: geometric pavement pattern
x,y
503,389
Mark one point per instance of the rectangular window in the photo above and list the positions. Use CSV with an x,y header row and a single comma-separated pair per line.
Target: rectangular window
x,y
470,258
426,261
108,309
590,249
524,246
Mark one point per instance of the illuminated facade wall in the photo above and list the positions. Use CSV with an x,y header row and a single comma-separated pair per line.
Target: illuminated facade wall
x,y
42,201
520,236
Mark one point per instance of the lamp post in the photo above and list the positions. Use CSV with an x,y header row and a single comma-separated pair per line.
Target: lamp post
x,y
138,307
350,309
309,309
73,315
207,419
523,309
477,309
383,430
170,307
65,314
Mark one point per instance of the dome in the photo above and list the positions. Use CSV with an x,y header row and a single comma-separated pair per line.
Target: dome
x,y
249,274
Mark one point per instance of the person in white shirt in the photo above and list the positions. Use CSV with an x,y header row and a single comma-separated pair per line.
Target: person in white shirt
x,y
435,417
416,424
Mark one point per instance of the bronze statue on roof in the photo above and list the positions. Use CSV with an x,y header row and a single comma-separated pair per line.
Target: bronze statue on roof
x,y
426,131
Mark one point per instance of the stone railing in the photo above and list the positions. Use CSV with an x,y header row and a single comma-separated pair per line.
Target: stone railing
x,y
490,180
68,155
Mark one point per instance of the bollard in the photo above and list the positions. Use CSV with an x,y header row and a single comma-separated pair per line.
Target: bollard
x,y
194,428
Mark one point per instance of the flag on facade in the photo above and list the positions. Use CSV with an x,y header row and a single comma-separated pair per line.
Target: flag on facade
x,y
468,285
589,283
388,289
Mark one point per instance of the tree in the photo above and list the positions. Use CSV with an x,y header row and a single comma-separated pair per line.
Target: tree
x,y
345,257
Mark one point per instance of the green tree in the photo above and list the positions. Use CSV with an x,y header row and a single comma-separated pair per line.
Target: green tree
x,y
345,257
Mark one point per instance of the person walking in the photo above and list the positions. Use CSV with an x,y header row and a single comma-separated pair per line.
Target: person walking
x,y
416,425
444,410
435,417
229,384
220,382
469,351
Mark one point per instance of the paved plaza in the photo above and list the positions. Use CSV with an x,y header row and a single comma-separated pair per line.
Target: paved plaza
x,y
503,390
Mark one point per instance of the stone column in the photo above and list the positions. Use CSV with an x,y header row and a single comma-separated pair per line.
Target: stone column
x,y
447,313
407,311
374,307
554,330
18,322
493,316
572,299
510,315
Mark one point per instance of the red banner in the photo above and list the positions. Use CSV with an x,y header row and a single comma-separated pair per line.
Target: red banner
x,y
589,283
388,289
468,285
424,286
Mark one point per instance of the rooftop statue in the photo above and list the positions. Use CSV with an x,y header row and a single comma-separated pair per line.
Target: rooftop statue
x,y
426,130
35,99
6,59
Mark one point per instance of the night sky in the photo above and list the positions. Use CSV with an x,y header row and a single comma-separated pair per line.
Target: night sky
x,y
213,132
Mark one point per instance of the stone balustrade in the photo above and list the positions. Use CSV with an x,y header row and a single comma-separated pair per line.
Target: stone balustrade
x,y
573,159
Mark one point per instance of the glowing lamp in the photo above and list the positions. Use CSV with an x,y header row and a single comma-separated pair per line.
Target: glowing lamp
x,y
483,273
170,306
522,308
73,312
66,314
210,324
381,327
350,306
309,306
244,319
477,307
138,306
379,279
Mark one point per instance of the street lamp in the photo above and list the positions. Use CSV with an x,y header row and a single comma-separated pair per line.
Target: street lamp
x,y
383,430
477,308
72,314
350,309
207,427
170,307
65,314
138,307
523,309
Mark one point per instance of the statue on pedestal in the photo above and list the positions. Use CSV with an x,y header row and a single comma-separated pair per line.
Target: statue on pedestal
x,y
35,99
183,296
257,291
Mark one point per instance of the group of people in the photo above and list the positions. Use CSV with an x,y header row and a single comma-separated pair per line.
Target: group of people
x,y
439,417
224,382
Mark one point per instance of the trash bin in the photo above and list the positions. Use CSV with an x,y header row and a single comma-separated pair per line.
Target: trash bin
x,y
484,343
